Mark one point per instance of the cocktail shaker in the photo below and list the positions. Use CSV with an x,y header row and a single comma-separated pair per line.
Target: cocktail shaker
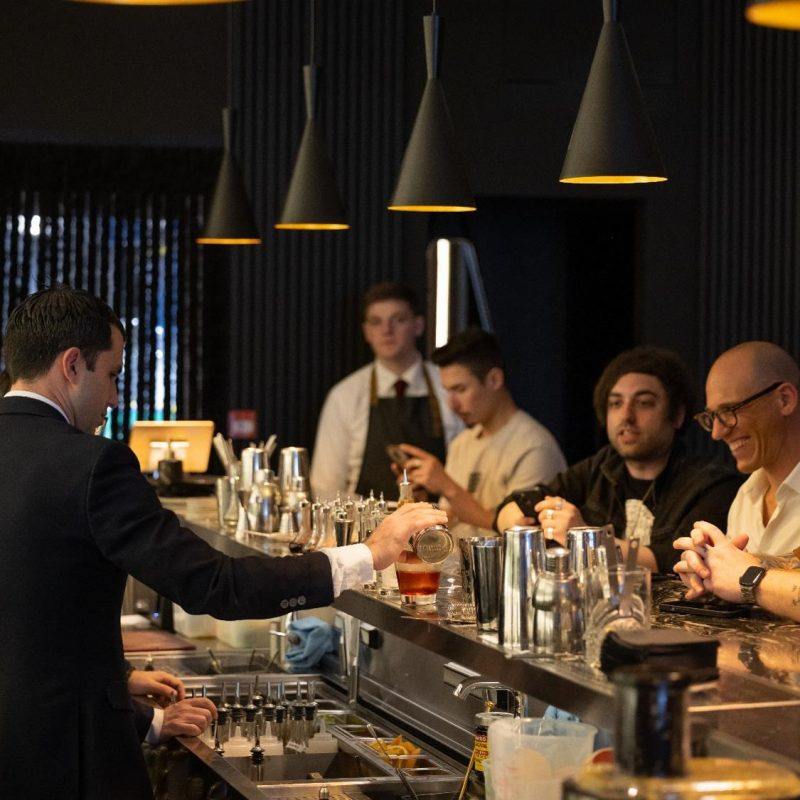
x,y
485,566
557,608
253,460
585,545
524,558
292,463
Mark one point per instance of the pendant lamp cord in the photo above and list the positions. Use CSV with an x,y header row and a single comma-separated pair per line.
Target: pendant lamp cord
x,y
434,6
229,56
313,30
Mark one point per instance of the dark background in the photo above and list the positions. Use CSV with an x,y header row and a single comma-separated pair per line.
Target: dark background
x,y
573,274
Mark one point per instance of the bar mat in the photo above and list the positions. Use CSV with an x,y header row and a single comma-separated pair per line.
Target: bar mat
x,y
153,641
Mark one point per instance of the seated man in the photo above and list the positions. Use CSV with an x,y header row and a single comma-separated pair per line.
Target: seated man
x,y
752,406
503,448
643,481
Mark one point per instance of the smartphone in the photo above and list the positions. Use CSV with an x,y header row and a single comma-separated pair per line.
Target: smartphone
x,y
397,454
703,607
527,500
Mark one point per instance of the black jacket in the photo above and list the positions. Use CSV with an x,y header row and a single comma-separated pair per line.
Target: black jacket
x,y
76,517
689,489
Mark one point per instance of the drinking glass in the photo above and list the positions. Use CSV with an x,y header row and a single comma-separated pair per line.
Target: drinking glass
x,y
417,580
605,605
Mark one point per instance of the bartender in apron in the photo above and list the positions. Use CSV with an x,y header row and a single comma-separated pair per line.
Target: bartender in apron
x,y
397,398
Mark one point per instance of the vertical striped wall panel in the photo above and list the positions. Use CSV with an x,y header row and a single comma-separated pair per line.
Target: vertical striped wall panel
x,y
750,288
294,300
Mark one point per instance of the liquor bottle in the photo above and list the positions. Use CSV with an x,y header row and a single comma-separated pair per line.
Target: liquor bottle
x,y
651,754
406,491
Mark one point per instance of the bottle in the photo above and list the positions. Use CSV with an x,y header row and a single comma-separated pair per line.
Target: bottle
x,y
476,782
406,491
652,760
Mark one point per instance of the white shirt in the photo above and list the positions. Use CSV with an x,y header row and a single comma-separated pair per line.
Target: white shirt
x,y
41,398
491,466
781,535
351,566
343,423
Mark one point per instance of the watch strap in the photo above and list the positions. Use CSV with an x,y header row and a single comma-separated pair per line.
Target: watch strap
x,y
748,588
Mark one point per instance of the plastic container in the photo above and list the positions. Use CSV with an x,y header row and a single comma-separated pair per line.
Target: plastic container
x,y
193,625
244,632
532,756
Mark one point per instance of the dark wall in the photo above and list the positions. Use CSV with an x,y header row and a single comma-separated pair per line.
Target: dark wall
x,y
515,72
80,73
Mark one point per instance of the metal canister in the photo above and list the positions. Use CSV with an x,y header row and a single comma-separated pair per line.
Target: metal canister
x,y
557,607
432,545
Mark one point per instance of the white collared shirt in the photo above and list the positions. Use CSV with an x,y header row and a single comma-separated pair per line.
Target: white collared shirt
x,y
781,535
41,398
344,421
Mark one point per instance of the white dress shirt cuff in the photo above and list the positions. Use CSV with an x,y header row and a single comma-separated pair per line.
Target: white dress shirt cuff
x,y
154,734
351,566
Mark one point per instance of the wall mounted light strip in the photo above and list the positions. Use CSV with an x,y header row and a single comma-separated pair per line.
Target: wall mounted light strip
x,y
774,13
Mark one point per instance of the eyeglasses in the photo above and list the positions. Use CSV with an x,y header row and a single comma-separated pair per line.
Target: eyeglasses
x,y
727,416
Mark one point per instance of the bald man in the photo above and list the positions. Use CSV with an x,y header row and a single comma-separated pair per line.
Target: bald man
x,y
752,406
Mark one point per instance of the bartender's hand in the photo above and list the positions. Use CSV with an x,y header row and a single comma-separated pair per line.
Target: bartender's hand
x,y
165,688
557,516
391,536
425,470
709,560
187,718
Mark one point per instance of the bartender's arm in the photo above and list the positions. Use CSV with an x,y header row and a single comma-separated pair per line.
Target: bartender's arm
x,y
426,470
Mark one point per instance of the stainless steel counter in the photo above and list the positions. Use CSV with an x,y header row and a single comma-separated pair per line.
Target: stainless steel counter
x,y
752,711
755,705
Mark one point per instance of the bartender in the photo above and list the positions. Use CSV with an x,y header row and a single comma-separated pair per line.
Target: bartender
x,y
396,398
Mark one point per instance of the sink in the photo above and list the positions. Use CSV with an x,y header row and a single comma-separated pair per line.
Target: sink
x,y
200,663
304,767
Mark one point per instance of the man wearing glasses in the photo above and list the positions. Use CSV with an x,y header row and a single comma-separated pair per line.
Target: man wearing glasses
x,y
752,406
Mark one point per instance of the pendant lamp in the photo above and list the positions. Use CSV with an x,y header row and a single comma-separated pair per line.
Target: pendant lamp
x,y
612,140
313,202
774,13
432,175
230,220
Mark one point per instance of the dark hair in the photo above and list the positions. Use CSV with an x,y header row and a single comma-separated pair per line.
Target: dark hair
x,y
51,321
473,348
390,291
663,364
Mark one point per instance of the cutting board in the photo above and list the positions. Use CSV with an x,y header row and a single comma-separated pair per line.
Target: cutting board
x,y
153,642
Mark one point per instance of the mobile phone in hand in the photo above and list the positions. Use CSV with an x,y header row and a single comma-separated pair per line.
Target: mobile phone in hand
x,y
397,455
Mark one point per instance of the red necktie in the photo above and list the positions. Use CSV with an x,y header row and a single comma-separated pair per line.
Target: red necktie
x,y
400,387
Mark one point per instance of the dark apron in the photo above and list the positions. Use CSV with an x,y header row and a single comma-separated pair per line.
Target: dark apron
x,y
397,420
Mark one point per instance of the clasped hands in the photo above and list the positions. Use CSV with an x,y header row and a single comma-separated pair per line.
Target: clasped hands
x,y
711,562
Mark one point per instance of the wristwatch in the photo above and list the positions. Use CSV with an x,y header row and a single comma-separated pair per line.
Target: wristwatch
x,y
748,582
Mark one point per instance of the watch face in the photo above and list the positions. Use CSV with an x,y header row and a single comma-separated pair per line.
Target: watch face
x,y
751,576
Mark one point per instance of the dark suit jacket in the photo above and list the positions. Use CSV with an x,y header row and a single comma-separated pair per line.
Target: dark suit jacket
x,y
76,516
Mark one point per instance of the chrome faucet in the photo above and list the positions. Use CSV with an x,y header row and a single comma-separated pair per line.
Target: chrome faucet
x,y
463,690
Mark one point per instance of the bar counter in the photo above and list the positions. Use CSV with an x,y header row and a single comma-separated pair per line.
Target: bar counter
x,y
752,711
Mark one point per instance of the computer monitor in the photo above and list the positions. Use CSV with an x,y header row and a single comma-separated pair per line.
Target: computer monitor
x,y
189,440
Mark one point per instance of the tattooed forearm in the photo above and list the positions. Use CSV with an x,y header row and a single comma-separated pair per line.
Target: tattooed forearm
x,y
780,562
796,595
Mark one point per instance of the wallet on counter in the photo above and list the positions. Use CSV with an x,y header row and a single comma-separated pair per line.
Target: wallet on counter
x,y
662,650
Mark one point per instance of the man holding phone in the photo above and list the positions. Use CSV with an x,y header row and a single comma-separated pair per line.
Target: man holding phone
x,y
396,398
503,448
643,481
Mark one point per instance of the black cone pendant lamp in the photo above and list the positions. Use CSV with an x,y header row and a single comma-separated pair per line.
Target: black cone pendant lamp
x,y
313,202
612,140
432,175
774,13
230,220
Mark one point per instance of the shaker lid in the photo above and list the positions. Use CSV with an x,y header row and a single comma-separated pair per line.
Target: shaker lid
x,y
433,544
